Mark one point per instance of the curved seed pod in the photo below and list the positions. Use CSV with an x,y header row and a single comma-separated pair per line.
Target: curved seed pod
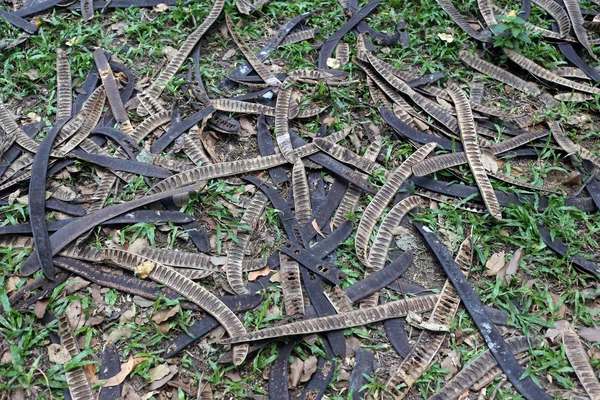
x,y
428,343
176,258
26,142
194,274
19,164
194,149
75,123
192,291
558,13
339,300
393,309
570,72
495,372
291,286
342,53
177,61
383,197
87,253
498,73
485,7
453,201
309,112
235,254
543,73
150,124
16,242
461,21
64,95
91,120
18,179
346,156
507,178
244,7
102,193
383,85
352,195
574,11
478,368
591,26
493,112
311,75
442,115
476,89
579,360
569,146
302,205
574,97
244,107
295,37
472,151
261,70
282,128
79,386
171,164
10,128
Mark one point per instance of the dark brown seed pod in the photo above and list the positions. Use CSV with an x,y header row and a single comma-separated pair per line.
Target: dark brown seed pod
x,y
187,288
543,73
64,94
79,386
150,124
237,250
472,151
558,13
339,300
394,309
260,69
479,367
18,165
375,209
282,128
291,286
579,360
428,343
300,190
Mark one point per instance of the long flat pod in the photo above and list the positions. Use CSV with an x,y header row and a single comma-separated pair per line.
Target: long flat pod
x,y
569,146
558,13
260,69
347,156
492,336
363,367
64,94
266,147
110,367
574,11
472,151
278,375
393,309
120,164
302,204
10,128
579,359
428,343
177,258
245,107
194,149
177,61
79,386
462,22
282,127
477,368
179,127
291,286
545,74
112,91
150,124
37,201
187,288
237,250
383,197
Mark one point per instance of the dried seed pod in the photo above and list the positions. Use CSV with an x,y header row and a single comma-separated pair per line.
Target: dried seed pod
x,y
558,13
282,133
472,151
64,94
176,258
244,107
579,360
476,89
462,22
150,124
295,37
291,286
342,53
194,149
82,253
575,97
187,288
453,201
102,193
574,11
394,309
569,146
375,209
300,190
77,121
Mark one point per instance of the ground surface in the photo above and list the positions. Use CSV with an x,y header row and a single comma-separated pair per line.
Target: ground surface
x,y
546,287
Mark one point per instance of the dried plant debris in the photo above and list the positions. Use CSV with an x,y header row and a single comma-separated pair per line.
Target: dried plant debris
x,y
231,209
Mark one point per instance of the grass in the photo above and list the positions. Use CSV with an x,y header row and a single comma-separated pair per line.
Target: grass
x,y
146,35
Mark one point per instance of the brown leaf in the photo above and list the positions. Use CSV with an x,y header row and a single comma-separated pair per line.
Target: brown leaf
x,y
234,376
120,332
295,372
590,334
310,366
126,316
40,307
18,394
126,369
247,125
90,372
164,315
58,354
163,327
451,363
142,302
158,372
144,269
161,382
75,284
254,275
495,263
489,160
11,283
513,264
32,74
170,52
95,320
75,315
315,226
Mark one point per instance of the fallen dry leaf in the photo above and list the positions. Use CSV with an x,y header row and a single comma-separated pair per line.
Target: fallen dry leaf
x,y
161,382
315,226
161,7
57,354
90,372
11,283
309,368
170,52
32,74
75,284
489,160
126,316
495,263
120,332
513,264
158,372
246,125
142,302
163,315
446,37
95,320
295,372
590,334
75,315
126,369
40,307
254,275
276,277
451,363
144,269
